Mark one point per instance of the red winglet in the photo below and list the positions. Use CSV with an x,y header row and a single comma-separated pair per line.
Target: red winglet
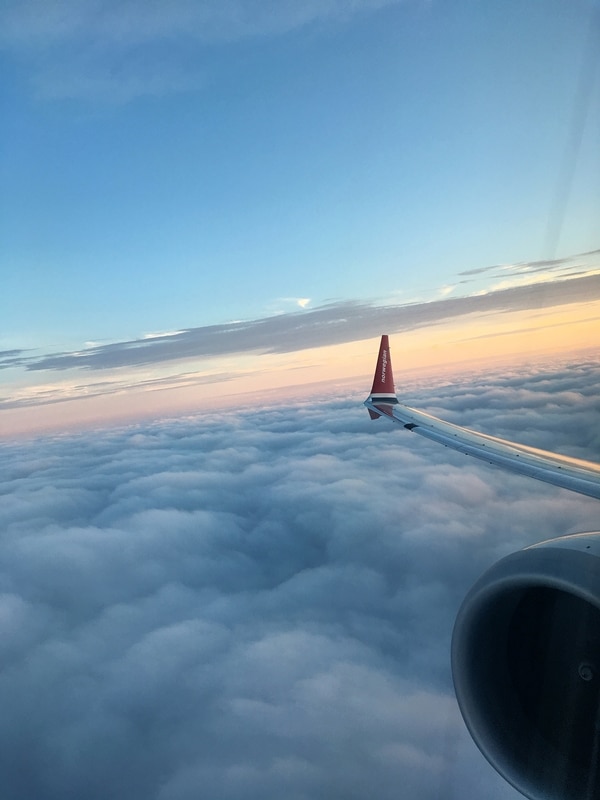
x,y
383,382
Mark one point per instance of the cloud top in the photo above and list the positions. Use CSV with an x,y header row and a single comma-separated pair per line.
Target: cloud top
x,y
260,606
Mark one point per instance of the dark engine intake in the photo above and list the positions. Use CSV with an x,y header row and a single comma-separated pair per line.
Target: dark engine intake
x,y
526,667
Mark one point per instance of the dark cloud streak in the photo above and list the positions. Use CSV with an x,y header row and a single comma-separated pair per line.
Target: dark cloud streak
x,y
332,324
12,358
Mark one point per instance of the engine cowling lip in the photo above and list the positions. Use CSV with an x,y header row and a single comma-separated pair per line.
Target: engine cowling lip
x,y
570,564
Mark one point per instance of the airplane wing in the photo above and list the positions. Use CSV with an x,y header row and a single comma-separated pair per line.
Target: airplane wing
x,y
568,473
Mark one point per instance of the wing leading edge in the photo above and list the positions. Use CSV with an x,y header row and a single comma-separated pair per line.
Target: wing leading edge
x,y
568,473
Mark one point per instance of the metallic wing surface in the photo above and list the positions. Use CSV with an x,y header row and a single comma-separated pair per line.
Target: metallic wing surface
x,y
568,473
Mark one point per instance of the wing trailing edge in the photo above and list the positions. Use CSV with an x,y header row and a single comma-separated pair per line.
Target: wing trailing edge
x,y
568,473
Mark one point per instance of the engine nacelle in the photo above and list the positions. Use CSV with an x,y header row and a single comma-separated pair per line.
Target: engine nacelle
x,y
526,667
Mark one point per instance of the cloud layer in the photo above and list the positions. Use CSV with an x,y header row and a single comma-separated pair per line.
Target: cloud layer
x,y
260,605
331,324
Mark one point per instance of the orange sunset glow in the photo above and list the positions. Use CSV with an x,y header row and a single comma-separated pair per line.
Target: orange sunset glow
x,y
482,340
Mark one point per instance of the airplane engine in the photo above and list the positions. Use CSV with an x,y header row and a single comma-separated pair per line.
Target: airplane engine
x,y
526,667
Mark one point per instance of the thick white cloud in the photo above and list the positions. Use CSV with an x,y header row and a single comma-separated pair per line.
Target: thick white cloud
x,y
260,605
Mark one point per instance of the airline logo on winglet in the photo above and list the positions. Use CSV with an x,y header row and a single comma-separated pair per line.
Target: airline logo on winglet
x,y
383,365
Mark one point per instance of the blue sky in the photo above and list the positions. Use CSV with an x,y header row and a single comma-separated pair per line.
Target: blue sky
x,y
180,165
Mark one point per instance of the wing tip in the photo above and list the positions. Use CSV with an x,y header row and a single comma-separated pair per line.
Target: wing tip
x,y
383,391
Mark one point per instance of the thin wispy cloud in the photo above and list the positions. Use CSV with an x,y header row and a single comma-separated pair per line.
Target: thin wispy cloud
x,y
557,268
113,52
531,329
36,22
299,302
161,334
59,392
